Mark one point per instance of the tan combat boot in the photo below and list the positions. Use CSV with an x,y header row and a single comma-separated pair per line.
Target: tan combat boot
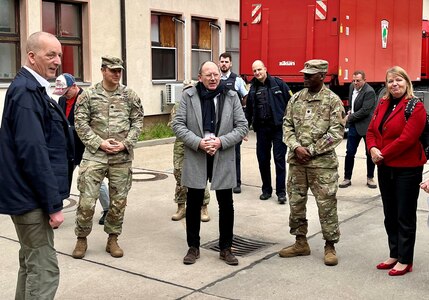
x,y
80,248
300,248
112,246
204,214
180,213
330,254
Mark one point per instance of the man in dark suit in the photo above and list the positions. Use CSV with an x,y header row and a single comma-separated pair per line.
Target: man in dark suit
x,y
362,102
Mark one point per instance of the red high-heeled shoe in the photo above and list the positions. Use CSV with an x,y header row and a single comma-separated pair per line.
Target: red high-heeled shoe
x,y
383,266
408,268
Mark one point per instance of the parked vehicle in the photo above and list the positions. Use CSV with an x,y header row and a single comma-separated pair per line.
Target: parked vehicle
x,y
350,34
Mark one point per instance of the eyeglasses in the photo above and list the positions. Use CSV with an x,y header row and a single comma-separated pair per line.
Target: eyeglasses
x,y
209,76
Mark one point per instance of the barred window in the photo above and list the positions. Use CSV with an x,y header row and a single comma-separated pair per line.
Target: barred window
x,y
10,58
64,20
201,44
232,44
164,48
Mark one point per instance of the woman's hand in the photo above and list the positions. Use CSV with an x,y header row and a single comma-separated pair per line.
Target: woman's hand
x,y
376,155
425,185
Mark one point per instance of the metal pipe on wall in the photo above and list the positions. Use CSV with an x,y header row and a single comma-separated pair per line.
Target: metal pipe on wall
x,y
124,41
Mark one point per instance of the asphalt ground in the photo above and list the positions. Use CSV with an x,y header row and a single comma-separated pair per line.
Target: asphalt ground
x,y
154,245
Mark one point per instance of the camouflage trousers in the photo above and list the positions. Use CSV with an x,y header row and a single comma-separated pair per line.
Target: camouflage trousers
x,y
323,183
91,174
181,191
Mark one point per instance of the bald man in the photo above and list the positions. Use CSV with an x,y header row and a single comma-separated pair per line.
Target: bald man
x,y
210,121
36,145
266,106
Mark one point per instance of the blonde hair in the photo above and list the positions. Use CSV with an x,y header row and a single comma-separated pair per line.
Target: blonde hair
x,y
398,71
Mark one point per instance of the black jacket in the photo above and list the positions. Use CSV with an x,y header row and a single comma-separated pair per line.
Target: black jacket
x,y
278,97
364,106
36,144
79,147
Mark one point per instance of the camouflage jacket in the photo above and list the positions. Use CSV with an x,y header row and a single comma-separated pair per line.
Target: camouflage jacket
x,y
179,146
99,116
317,123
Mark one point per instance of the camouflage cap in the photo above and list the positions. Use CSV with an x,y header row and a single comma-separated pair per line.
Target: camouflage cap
x,y
314,66
111,62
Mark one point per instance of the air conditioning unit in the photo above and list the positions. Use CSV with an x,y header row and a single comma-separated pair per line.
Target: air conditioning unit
x,y
173,92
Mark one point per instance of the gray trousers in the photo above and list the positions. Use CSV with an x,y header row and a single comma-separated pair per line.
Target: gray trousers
x,y
38,275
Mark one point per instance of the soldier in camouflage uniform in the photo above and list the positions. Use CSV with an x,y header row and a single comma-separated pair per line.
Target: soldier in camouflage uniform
x,y
108,120
180,193
312,127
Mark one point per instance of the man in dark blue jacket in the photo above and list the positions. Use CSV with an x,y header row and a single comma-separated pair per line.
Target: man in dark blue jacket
x,y
36,144
266,106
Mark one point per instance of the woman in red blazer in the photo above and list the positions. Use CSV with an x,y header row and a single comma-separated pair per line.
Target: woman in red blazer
x,y
395,148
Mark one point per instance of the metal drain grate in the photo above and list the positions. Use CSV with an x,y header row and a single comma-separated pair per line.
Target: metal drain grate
x,y
241,246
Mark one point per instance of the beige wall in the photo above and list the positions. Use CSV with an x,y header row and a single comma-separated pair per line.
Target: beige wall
x,y
425,9
105,33
139,43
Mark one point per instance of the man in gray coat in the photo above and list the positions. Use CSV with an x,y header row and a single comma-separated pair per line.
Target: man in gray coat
x,y
209,121
362,104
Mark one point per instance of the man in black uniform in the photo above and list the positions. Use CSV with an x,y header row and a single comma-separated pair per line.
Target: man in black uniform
x,y
266,106
233,82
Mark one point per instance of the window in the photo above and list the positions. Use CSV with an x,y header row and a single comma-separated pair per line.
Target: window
x,y
10,56
201,44
164,49
64,20
232,44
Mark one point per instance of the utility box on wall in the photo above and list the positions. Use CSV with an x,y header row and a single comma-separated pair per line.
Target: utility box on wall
x,y
173,92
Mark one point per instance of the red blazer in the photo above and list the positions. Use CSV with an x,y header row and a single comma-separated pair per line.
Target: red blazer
x,y
399,140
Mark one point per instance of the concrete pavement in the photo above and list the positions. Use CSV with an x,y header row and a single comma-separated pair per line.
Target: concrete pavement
x,y
154,245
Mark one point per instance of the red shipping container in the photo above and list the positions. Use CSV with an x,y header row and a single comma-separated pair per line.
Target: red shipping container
x,y
367,35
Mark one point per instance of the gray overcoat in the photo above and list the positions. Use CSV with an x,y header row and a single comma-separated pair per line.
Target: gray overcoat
x,y
188,127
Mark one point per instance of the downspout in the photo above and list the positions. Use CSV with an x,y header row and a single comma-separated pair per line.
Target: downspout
x,y
185,48
124,41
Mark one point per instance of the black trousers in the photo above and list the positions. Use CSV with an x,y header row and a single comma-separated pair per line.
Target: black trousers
x,y
353,140
268,137
399,189
193,217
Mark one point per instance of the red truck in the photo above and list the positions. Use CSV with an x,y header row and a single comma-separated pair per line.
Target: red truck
x,y
350,34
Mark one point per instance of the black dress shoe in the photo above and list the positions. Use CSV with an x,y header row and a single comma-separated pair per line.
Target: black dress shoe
x,y
282,199
192,255
228,257
265,196
236,190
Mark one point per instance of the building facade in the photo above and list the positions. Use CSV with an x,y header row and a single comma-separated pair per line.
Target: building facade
x,y
162,42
